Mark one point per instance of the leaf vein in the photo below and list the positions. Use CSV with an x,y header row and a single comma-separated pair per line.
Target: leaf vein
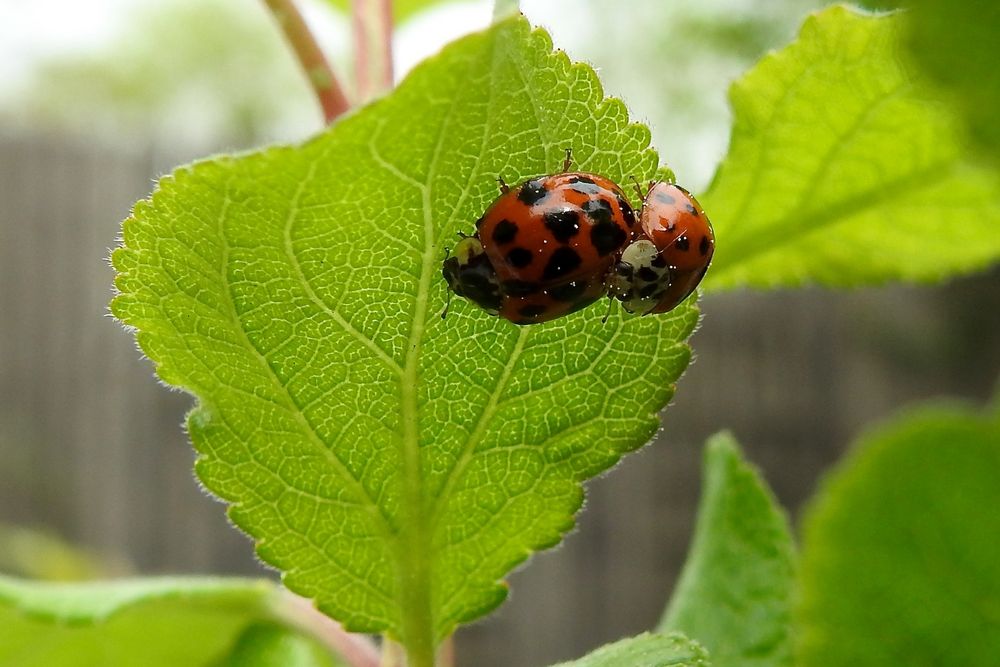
x,y
382,522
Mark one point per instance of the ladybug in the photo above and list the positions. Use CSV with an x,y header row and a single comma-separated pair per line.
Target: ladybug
x,y
670,256
545,248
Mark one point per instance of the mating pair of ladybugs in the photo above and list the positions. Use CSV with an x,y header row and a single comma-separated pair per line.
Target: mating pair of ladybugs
x,y
558,243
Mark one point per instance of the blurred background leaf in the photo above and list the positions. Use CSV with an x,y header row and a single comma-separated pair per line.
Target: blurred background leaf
x,y
734,594
839,172
195,622
39,554
954,42
265,644
900,555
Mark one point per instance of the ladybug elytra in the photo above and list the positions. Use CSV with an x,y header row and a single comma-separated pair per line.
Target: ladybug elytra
x,y
544,248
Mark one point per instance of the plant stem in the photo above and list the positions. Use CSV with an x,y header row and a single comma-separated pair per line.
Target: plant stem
x,y
393,654
354,649
417,627
321,77
372,46
446,654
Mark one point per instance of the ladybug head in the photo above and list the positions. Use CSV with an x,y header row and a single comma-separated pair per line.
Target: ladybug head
x,y
640,278
469,274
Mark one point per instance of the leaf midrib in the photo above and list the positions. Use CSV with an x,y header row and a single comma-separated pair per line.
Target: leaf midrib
x,y
419,622
832,213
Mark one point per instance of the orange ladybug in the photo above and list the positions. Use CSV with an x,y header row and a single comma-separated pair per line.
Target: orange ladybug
x,y
670,256
545,248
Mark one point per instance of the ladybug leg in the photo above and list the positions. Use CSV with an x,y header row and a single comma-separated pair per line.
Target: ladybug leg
x,y
504,188
568,162
447,304
611,303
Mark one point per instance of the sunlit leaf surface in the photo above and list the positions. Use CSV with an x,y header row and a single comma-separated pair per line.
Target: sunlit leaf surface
x,y
841,173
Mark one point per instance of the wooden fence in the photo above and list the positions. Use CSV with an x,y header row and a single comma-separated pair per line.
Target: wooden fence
x,y
92,447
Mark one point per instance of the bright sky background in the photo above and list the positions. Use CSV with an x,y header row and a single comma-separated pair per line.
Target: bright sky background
x,y
37,28
34,29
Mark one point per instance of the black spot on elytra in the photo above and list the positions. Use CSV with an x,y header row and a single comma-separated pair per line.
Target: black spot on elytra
x,y
519,257
607,237
504,232
627,211
564,260
570,291
532,192
664,198
682,243
691,209
703,246
532,310
584,185
647,274
564,224
520,287
659,262
598,210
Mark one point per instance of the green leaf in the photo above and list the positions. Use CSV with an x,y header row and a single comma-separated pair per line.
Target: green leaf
x,y
839,173
271,645
901,548
38,554
646,650
146,623
734,594
393,464
953,43
962,58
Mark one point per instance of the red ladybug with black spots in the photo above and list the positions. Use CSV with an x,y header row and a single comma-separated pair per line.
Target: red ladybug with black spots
x,y
671,255
545,248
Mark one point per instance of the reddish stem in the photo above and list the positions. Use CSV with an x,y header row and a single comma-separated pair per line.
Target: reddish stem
x,y
354,649
446,654
321,77
372,21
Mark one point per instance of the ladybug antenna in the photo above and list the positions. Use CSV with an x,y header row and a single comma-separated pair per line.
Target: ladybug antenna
x,y
568,162
504,188
447,304
638,188
611,302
